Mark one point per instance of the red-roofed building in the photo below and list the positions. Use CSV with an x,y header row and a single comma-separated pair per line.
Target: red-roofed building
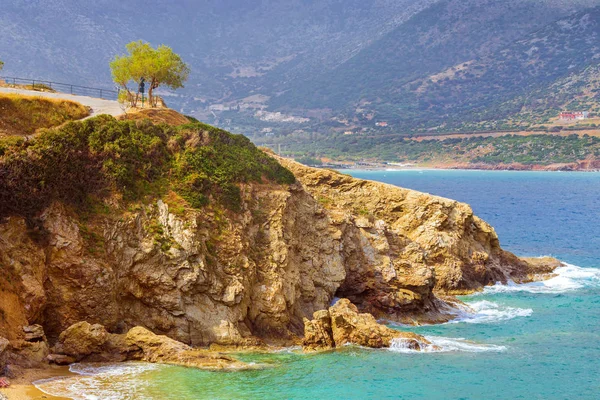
x,y
574,115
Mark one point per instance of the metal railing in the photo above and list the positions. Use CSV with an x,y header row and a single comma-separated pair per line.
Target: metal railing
x,y
37,84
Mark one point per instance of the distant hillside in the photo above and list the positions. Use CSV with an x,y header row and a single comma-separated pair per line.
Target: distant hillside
x,y
446,33
536,73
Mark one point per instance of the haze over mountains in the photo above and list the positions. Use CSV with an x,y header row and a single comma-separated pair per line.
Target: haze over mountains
x,y
326,66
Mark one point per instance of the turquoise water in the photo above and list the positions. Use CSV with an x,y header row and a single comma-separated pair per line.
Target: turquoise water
x,y
537,341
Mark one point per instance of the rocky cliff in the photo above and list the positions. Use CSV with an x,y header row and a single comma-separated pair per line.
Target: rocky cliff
x,y
242,278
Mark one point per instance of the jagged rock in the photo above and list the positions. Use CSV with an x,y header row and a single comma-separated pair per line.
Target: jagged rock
x,y
343,324
81,339
348,326
317,333
34,333
60,359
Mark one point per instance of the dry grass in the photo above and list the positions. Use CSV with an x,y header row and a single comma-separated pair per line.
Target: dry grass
x,y
23,115
157,116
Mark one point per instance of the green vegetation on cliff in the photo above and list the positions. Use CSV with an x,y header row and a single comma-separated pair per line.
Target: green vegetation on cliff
x,y
100,156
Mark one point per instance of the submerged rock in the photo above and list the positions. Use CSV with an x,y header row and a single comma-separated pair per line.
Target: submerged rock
x,y
342,324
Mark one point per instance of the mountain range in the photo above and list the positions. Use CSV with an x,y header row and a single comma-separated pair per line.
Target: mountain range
x,y
306,68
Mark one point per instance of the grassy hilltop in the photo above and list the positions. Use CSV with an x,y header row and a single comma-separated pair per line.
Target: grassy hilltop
x,y
81,162
23,115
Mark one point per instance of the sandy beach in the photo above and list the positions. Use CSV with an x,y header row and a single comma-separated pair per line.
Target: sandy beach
x,y
23,389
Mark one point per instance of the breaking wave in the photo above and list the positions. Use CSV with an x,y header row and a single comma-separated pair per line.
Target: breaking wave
x,y
568,278
440,344
113,381
485,312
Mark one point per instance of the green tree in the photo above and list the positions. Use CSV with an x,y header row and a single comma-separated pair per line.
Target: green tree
x,y
1,65
159,67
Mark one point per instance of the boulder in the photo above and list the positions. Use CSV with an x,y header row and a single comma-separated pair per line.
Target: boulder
x,y
34,333
342,324
92,343
81,339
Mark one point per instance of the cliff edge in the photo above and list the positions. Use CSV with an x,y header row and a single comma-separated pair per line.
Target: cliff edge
x,y
242,265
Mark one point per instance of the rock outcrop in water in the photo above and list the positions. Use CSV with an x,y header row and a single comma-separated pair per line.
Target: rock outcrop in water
x,y
342,324
213,276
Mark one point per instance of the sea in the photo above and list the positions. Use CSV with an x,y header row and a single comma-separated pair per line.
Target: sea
x,y
531,341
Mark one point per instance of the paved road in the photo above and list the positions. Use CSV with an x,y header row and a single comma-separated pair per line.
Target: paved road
x,y
98,106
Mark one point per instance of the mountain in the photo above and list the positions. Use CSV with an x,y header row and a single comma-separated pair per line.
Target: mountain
x,y
233,46
453,58
498,85
307,69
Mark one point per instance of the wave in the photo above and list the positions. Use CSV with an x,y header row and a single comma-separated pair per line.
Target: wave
x,y
110,381
440,344
485,312
568,278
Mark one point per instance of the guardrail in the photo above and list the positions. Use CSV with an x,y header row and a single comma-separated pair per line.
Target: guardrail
x,y
37,84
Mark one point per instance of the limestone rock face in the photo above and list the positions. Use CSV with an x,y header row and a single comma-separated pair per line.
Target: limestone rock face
x,y
210,276
342,324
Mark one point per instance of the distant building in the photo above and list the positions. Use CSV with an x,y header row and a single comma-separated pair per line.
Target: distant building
x,y
574,115
382,123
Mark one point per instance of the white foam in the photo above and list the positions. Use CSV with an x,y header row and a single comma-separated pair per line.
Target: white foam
x,y
440,344
99,382
568,278
92,369
486,312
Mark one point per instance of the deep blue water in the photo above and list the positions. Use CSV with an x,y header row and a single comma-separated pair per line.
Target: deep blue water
x,y
539,341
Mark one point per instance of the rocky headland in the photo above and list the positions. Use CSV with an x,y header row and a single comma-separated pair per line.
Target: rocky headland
x,y
158,278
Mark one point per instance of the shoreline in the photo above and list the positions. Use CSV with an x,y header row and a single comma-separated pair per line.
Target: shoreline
x,y
23,388
391,168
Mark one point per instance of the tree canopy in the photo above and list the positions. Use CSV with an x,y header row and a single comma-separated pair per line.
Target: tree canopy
x,y
157,66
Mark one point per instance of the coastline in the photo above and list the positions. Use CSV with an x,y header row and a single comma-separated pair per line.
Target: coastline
x,y
23,388
462,167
